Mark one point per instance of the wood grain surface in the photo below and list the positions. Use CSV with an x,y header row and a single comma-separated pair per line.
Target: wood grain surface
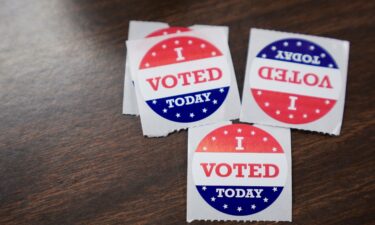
x,y
68,155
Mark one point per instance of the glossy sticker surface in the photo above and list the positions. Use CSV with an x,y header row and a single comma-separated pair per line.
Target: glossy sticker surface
x,y
295,81
239,169
184,79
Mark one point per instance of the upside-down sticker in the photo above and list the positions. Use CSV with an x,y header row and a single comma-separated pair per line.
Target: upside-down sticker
x,y
240,171
295,81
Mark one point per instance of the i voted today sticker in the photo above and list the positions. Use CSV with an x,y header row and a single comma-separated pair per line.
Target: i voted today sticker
x,y
295,81
184,78
240,170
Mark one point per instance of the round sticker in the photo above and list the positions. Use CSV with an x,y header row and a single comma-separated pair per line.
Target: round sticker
x,y
239,169
184,78
295,81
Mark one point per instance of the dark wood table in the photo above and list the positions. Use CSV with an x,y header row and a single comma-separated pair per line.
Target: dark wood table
x,y
68,155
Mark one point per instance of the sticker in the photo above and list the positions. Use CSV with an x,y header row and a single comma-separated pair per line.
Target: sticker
x,y
295,81
142,29
178,76
241,170
183,80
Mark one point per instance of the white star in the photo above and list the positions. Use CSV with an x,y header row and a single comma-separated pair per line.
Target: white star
x,y
225,206
214,101
165,33
330,65
285,44
164,46
153,53
178,31
274,149
265,139
323,55
312,47
253,133
304,115
204,188
273,48
213,199
192,115
299,43
165,110
317,111
203,45
264,55
259,92
253,206
239,130
204,148
147,64
176,42
178,115
267,104
265,199
327,102
213,53
291,116
239,209
221,90
274,189
278,112
225,132
204,110
213,138
154,102
190,42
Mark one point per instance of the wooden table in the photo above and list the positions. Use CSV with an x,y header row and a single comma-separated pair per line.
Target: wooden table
x,y
68,155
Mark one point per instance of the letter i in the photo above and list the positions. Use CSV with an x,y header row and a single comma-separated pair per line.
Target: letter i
x,y
239,143
179,54
293,100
